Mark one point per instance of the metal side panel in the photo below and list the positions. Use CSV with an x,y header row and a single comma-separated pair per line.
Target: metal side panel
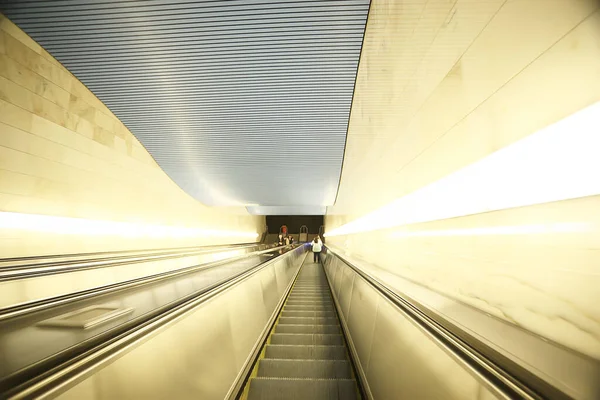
x,y
394,356
345,291
199,355
406,363
17,291
361,318
337,276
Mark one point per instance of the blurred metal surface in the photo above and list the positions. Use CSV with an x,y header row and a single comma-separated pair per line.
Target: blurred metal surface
x,y
28,348
20,269
24,285
427,341
87,317
194,351
240,102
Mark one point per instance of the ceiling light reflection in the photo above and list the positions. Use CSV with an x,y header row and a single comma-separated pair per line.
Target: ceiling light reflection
x,y
568,227
559,162
77,226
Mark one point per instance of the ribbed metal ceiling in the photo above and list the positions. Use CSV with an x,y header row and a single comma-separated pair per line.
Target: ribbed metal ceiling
x,y
240,102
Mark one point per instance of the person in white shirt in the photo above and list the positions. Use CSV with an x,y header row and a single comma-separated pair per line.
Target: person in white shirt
x,y
317,246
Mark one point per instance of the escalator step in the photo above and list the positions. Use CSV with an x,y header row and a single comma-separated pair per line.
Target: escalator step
x,y
320,369
296,389
308,308
307,329
309,298
307,339
309,302
293,352
322,314
311,291
308,321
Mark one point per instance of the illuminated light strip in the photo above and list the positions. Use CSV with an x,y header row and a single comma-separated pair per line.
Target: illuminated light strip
x,y
559,162
567,227
77,226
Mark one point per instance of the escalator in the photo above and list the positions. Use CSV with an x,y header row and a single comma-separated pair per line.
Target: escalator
x,y
305,356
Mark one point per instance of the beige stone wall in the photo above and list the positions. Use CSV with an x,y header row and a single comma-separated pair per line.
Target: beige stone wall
x,y
63,153
443,84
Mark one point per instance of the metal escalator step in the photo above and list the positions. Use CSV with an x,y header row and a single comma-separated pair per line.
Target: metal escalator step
x,y
307,339
300,297
308,308
307,329
305,352
304,304
309,298
312,288
306,293
310,294
308,320
302,389
313,283
322,314
320,369
309,301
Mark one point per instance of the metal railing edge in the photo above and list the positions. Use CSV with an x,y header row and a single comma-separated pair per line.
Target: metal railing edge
x,y
22,309
63,377
362,376
30,271
474,359
236,389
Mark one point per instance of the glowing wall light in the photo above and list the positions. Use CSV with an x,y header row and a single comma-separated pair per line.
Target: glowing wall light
x,y
559,162
567,227
77,226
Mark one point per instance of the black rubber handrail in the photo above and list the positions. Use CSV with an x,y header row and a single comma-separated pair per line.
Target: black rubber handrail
x,y
61,368
507,376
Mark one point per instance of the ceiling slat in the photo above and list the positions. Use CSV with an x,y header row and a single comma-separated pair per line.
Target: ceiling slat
x,y
250,97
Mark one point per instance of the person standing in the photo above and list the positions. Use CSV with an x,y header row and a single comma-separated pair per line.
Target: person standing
x,y
317,246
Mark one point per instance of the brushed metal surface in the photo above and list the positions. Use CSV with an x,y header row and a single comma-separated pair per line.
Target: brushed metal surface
x,y
406,360
197,355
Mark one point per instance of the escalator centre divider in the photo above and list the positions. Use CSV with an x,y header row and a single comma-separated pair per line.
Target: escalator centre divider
x,y
194,351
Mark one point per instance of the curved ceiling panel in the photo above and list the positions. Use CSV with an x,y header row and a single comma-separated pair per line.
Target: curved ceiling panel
x,y
240,102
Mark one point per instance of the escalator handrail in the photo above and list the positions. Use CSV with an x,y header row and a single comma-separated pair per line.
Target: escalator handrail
x,y
100,253
511,378
23,309
54,380
9,273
